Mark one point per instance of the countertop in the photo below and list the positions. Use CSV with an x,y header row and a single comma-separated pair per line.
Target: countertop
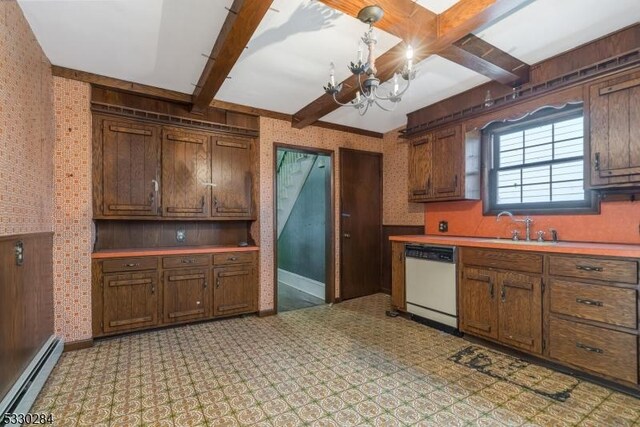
x,y
182,250
576,248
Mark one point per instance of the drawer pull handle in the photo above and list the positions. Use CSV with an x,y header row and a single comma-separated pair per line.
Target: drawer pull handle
x,y
188,261
589,268
233,258
589,302
133,264
591,349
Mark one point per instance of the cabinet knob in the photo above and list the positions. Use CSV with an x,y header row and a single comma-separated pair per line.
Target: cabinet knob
x,y
233,258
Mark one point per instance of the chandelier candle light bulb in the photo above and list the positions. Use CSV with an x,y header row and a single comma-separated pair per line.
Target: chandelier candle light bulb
x,y
368,82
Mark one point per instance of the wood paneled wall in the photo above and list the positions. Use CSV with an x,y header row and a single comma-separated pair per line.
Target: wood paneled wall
x,y
26,295
154,234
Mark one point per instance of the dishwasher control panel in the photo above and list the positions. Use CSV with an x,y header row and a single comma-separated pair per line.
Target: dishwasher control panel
x,y
433,253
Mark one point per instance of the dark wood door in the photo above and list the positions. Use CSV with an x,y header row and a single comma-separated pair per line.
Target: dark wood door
x,y
186,174
231,161
130,168
614,107
235,290
186,295
447,157
477,302
129,301
520,311
398,286
361,222
420,154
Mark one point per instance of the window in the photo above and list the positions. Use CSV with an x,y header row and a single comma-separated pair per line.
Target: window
x,y
537,164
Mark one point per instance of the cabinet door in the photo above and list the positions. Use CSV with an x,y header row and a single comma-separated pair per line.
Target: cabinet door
x,y
448,155
520,311
130,169
186,173
231,168
614,112
129,301
420,154
235,290
186,296
477,302
398,293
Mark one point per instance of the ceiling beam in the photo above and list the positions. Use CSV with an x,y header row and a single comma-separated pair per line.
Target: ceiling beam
x,y
476,54
405,19
452,37
242,21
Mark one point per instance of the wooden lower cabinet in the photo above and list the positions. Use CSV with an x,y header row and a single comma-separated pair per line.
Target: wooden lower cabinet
x,y
131,294
586,317
130,301
398,287
186,296
235,290
520,311
477,302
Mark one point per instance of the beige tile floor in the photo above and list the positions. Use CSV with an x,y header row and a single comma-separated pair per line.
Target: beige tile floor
x,y
346,364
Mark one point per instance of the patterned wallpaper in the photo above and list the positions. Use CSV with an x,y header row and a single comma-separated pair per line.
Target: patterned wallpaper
x,y
26,128
396,208
72,211
280,131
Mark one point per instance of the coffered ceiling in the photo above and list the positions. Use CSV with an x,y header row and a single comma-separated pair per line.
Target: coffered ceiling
x,y
166,44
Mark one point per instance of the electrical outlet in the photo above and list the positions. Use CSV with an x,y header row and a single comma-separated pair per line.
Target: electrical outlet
x,y
443,226
181,235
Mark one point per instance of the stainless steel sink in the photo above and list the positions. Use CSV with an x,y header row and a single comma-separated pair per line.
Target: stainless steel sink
x,y
520,242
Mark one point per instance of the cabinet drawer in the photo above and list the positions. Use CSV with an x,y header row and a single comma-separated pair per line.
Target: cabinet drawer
x,y
607,304
508,260
607,352
129,264
610,270
233,258
185,261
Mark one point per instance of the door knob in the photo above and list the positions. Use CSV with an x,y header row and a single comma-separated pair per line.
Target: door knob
x,y
346,235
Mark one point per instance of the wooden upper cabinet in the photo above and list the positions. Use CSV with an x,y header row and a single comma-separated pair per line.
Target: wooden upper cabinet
x,y
444,165
130,169
420,153
477,299
614,114
520,311
232,178
447,158
186,173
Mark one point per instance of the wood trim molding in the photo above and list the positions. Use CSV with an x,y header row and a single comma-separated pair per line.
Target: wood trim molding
x,y
78,345
183,98
123,85
242,21
266,313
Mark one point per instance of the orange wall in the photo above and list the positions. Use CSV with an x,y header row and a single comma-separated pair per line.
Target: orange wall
x,y
618,222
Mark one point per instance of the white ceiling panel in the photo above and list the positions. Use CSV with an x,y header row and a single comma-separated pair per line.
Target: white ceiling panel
x,y
546,28
287,61
437,78
155,42
437,6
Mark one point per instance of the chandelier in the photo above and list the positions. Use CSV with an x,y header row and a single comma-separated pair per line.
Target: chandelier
x,y
368,82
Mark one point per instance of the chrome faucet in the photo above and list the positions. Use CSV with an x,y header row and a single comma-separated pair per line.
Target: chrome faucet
x,y
527,223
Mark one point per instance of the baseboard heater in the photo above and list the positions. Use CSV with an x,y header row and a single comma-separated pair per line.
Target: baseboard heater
x,y
24,392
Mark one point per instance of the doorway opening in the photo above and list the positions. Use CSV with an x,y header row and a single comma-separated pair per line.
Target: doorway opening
x,y
303,229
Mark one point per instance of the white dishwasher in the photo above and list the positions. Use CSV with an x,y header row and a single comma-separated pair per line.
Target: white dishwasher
x,y
431,285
